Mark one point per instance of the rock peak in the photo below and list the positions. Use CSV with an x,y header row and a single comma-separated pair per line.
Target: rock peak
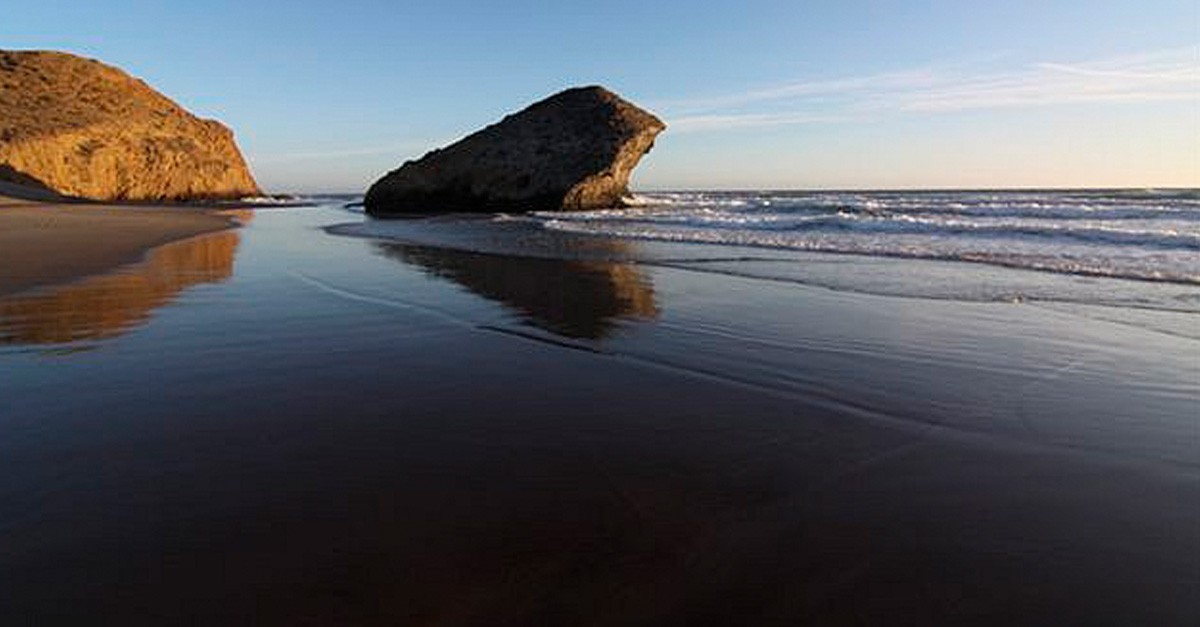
x,y
572,150
79,127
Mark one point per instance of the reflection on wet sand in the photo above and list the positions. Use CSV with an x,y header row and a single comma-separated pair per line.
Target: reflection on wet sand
x,y
107,305
576,299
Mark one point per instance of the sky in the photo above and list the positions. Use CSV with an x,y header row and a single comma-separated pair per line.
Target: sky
x,y
849,94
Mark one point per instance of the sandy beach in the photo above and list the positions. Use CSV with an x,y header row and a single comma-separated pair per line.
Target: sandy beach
x,y
654,314
44,243
321,429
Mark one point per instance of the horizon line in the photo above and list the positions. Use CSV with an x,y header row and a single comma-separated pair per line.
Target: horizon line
x,y
760,190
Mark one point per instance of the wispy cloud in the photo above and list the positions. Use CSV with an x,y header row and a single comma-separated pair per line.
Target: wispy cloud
x,y
1155,76
747,120
863,85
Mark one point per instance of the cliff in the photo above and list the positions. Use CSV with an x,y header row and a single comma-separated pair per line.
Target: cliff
x,y
78,127
573,150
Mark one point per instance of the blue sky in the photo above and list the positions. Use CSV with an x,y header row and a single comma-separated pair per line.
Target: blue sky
x,y
327,96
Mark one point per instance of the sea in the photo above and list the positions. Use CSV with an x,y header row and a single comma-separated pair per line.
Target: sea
x,y
1136,234
1132,249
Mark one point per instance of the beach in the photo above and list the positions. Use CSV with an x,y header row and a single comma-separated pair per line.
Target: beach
x,y
43,243
647,314
467,421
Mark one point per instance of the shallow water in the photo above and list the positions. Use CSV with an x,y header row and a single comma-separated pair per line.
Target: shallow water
x,y
281,425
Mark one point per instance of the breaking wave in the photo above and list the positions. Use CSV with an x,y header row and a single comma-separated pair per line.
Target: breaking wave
x,y
1139,234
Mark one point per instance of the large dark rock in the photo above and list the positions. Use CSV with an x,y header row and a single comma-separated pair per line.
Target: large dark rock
x,y
573,150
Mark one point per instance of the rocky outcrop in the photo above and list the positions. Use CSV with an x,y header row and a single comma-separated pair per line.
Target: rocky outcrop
x,y
78,127
573,150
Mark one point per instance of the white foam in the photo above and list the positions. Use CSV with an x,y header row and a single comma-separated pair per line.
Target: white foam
x,y
1147,236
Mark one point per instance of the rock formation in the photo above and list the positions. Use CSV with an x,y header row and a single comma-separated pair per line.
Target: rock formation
x,y
573,150
79,127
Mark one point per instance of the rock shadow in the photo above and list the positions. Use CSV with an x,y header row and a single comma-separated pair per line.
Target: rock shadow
x,y
17,184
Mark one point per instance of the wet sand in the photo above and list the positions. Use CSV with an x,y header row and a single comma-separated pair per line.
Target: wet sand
x,y
44,243
342,431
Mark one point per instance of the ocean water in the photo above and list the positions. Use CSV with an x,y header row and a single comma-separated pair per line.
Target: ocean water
x,y
1133,253
1132,234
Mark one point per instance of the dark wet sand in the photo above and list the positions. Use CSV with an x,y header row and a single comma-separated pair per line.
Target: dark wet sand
x,y
336,431
48,243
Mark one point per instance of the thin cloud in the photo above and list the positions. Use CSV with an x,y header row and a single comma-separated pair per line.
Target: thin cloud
x,y
909,79
1173,74
694,123
1149,77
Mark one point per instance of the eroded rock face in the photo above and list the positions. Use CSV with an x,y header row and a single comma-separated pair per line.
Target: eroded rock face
x,y
82,128
573,150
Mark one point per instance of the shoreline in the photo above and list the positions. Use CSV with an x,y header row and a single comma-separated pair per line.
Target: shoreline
x,y
433,424
884,275
49,243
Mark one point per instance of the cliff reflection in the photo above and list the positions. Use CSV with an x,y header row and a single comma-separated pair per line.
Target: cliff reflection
x,y
576,299
107,305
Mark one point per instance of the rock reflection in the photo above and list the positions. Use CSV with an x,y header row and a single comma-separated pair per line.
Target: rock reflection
x,y
576,299
107,305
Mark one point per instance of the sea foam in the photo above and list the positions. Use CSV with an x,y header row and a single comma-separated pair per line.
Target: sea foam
x,y
1137,234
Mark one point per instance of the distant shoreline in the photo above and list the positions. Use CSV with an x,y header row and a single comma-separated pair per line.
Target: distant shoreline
x,y
906,190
